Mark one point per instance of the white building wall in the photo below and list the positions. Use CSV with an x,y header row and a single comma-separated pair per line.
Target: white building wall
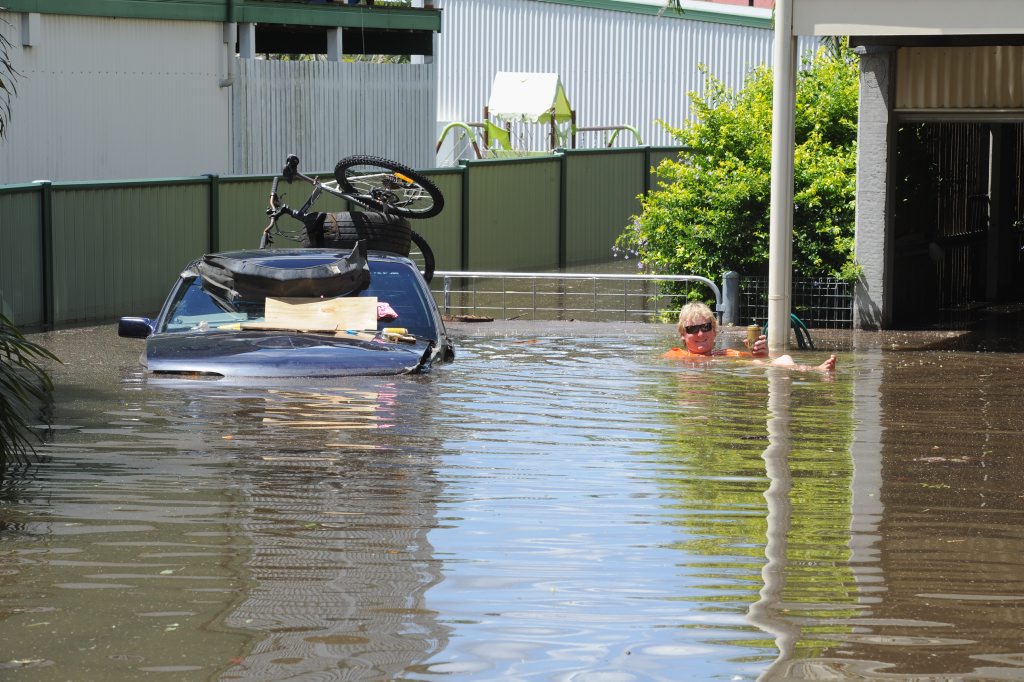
x,y
114,99
617,67
101,98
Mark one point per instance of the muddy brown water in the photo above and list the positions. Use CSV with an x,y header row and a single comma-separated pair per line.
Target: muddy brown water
x,y
558,504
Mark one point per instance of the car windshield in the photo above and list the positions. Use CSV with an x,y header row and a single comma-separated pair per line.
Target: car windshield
x,y
391,282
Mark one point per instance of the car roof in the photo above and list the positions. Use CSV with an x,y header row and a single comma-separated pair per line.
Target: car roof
x,y
306,253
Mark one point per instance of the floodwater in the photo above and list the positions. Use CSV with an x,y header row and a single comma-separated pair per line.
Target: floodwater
x,y
558,504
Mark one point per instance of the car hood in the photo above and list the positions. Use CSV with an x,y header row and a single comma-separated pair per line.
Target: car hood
x,y
282,354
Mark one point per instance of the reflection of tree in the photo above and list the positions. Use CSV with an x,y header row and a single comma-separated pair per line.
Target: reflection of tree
x,y
718,485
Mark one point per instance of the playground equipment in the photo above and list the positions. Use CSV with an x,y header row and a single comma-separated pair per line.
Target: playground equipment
x,y
527,114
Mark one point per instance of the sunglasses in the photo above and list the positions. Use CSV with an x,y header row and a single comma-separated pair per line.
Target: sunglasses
x,y
694,328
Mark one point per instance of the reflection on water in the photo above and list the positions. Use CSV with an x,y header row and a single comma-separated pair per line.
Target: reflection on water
x,y
559,503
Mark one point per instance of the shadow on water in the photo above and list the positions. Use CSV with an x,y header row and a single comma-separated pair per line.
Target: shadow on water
x,y
996,328
559,503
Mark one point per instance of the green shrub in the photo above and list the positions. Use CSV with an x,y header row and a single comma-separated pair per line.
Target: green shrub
x,y
710,211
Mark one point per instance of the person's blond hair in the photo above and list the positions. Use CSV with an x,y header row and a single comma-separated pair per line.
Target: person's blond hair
x,y
695,311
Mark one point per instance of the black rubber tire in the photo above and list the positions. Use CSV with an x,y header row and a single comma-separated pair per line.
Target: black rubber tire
x,y
427,253
429,206
342,230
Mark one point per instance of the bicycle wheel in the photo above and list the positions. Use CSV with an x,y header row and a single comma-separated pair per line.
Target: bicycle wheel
x,y
422,255
389,187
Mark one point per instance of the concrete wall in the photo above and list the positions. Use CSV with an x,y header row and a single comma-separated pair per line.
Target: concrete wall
x,y
873,236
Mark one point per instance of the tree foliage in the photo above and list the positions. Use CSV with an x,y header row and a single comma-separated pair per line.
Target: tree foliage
x,y
710,212
25,387
8,76
24,384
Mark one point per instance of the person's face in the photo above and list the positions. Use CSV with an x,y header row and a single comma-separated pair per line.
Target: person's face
x,y
699,336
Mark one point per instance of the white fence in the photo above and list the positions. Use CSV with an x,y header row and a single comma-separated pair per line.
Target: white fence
x,y
323,111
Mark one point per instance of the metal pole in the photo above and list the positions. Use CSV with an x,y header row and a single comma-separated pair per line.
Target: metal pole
x,y
731,298
780,246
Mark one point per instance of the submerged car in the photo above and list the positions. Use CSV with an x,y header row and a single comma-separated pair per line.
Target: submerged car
x,y
303,312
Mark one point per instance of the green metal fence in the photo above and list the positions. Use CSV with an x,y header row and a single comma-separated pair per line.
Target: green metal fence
x,y
75,252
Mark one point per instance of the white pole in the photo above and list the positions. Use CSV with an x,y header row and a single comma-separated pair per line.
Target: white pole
x,y
780,245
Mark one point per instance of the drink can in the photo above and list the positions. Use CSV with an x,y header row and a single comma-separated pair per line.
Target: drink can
x,y
753,334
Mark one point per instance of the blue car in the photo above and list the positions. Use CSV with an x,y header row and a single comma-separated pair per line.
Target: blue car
x,y
215,321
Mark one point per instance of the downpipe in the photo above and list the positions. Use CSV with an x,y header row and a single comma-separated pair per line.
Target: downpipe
x,y
230,29
230,36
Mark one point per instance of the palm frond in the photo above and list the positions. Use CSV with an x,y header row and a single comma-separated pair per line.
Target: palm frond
x,y
25,388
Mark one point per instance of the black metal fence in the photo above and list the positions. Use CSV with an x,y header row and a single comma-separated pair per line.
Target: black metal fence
x,y
823,303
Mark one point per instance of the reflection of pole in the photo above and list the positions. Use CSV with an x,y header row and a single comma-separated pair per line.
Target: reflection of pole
x,y
866,487
765,612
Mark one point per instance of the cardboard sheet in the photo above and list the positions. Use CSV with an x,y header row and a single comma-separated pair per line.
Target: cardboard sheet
x,y
318,314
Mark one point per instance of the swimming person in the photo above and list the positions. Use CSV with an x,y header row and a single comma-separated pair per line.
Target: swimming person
x,y
698,328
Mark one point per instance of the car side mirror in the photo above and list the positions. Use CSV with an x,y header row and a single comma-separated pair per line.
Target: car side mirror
x,y
135,327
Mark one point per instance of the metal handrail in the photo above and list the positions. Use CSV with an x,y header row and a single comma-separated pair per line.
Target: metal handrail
x,y
448,275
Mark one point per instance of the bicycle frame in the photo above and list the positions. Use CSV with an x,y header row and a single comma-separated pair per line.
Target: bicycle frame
x,y
276,208
375,184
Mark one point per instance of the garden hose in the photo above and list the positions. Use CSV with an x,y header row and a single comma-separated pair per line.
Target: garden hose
x,y
803,335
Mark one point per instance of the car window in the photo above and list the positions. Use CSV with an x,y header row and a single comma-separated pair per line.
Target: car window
x,y
394,283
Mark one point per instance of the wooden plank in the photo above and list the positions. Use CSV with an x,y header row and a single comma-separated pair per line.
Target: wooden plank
x,y
318,314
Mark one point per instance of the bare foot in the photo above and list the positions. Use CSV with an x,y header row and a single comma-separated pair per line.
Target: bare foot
x,y
829,365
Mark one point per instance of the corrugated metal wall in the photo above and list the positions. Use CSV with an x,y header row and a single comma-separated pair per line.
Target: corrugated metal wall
x,y
601,196
444,232
241,214
617,67
514,214
21,255
116,247
986,77
101,98
323,111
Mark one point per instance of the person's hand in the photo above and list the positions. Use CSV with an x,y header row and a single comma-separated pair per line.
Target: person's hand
x,y
760,346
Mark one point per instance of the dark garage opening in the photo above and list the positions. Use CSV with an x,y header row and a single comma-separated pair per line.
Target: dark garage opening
x,y
958,222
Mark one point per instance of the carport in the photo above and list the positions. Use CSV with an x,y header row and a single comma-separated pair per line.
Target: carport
x,y
940,196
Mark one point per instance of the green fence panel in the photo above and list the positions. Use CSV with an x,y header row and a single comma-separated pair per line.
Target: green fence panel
x,y
118,247
115,247
659,154
444,231
22,285
513,214
242,202
601,193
